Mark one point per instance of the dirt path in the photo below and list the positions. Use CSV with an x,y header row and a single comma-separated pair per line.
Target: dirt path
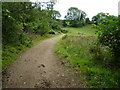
x,y
39,67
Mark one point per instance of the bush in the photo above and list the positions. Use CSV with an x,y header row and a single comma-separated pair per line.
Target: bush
x,y
64,31
52,32
109,35
64,37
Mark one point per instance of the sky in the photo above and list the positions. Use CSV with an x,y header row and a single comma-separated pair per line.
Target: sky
x,y
91,7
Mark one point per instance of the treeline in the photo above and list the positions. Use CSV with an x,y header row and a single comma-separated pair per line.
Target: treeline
x,y
19,19
23,18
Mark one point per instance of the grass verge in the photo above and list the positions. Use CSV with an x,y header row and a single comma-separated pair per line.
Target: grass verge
x,y
91,60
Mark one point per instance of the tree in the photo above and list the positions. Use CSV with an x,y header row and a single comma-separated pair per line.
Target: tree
x,y
56,14
87,21
21,18
14,15
49,18
75,16
97,18
55,22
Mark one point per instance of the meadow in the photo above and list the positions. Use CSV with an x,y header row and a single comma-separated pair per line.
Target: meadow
x,y
84,31
81,51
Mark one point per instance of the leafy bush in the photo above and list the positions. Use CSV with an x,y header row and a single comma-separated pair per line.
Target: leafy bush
x,y
52,32
64,37
56,25
64,31
109,35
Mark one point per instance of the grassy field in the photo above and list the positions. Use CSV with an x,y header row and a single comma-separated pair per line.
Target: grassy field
x,y
86,31
11,53
88,58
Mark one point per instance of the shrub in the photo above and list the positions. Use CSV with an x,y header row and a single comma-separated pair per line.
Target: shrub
x,y
109,35
64,37
64,31
52,32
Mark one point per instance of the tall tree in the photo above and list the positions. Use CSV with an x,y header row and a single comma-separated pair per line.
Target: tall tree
x,y
87,21
75,16
97,18
56,14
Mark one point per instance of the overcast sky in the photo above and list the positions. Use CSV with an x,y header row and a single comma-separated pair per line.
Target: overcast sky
x,y
91,7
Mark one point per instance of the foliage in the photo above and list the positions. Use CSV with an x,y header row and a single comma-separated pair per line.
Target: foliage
x,y
56,14
87,21
64,31
52,32
10,54
97,18
56,24
21,18
109,35
12,26
75,16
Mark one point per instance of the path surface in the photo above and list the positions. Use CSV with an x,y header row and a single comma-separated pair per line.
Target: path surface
x,y
39,67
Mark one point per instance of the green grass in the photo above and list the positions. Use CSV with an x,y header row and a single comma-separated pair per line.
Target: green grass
x,y
10,53
87,31
92,62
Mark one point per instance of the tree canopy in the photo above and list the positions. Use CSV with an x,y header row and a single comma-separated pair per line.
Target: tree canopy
x,y
56,14
75,16
21,18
